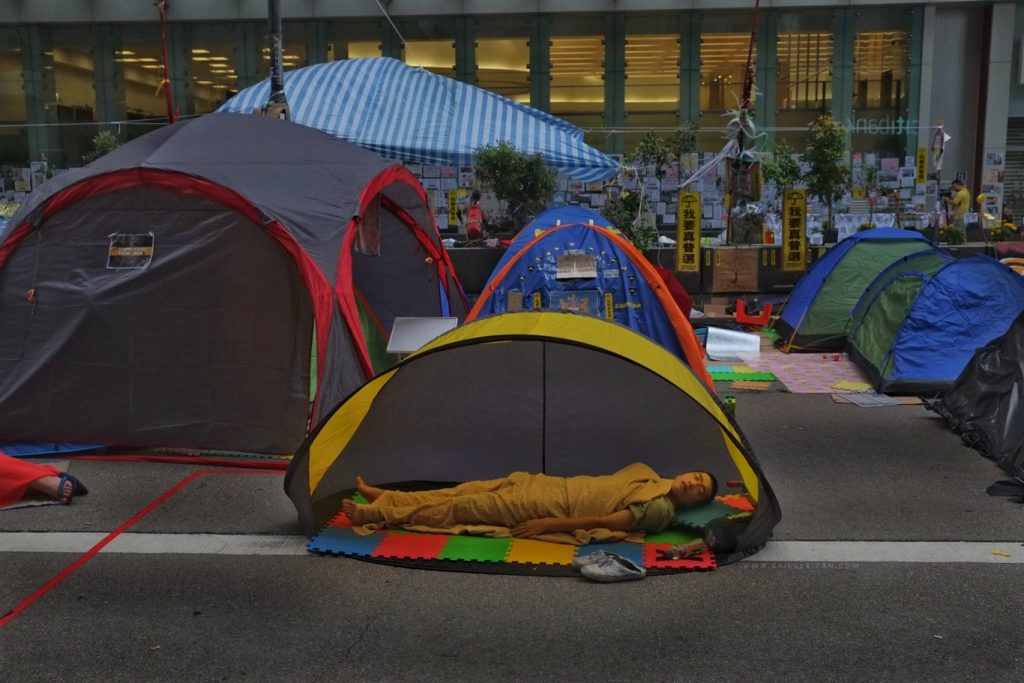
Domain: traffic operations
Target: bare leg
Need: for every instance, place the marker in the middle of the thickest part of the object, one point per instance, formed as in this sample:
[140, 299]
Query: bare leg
[370, 493]
[48, 485]
[359, 514]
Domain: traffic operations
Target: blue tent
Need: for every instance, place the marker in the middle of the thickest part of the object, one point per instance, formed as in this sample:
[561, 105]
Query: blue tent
[816, 314]
[412, 114]
[918, 327]
[589, 269]
[547, 219]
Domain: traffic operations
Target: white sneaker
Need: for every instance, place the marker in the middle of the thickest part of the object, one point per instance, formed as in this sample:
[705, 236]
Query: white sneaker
[613, 568]
[582, 560]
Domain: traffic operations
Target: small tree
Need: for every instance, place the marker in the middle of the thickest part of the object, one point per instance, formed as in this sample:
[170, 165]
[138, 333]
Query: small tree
[522, 183]
[869, 179]
[629, 211]
[102, 143]
[782, 168]
[827, 177]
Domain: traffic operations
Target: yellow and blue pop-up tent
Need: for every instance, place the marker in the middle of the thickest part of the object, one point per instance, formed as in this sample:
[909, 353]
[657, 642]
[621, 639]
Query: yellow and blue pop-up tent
[547, 392]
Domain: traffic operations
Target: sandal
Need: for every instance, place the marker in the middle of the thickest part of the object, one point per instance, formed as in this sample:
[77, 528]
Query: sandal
[64, 480]
[77, 487]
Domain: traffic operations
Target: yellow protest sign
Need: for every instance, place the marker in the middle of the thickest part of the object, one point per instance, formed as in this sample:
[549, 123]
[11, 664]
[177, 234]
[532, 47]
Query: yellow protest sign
[688, 232]
[921, 166]
[794, 239]
[453, 209]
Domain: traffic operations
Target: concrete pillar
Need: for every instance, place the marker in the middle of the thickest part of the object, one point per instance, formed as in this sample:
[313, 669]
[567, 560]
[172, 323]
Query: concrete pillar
[997, 107]
[179, 41]
[689, 66]
[615, 81]
[316, 41]
[766, 71]
[844, 31]
[911, 134]
[390, 43]
[923, 52]
[251, 39]
[108, 77]
[465, 49]
[40, 89]
[540, 62]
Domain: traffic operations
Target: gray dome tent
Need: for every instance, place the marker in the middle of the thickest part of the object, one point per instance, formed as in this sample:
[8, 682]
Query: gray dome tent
[172, 293]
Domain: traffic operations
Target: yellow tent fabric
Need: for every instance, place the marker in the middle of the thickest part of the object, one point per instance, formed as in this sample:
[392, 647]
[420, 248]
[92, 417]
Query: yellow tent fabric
[538, 392]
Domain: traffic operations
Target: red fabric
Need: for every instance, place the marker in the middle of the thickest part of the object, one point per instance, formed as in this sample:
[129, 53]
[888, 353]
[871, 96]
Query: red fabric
[676, 291]
[474, 222]
[16, 475]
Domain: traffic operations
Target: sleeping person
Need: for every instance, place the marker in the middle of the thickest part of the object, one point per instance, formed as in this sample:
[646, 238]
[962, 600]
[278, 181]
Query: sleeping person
[565, 509]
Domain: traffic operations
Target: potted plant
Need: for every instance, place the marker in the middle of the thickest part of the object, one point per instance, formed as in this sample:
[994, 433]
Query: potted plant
[102, 143]
[522, 183]
[952, 235]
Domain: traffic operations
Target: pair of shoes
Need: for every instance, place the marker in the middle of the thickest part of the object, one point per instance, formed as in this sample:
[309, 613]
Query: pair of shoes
[77, 487]
[581, 561]
[612, 568]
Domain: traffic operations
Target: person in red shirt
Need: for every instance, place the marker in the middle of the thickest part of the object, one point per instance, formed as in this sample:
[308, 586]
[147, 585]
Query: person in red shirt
[475, 218]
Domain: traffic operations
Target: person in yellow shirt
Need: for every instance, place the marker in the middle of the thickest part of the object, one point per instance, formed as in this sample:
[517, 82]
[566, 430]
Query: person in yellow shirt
[633, 499]
[959, 200]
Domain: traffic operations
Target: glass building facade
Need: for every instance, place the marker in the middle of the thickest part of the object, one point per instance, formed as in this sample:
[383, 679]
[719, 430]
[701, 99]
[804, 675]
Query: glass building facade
[615, 75]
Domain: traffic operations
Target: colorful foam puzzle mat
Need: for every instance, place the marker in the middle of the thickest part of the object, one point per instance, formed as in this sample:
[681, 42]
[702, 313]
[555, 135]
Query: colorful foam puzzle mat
[731, 373]
[517, 555]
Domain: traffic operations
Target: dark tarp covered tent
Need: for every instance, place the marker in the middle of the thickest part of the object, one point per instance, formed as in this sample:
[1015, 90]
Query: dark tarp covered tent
[550, 393]
[986, 403]
[817, 310]
[920, 326]
[172, 293]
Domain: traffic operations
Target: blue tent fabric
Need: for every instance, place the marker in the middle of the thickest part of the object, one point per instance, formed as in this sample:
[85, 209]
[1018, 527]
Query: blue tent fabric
[412, 114]
[547, 219]
[534, 271]
[32, 449]
[963, 307]
[960, 308]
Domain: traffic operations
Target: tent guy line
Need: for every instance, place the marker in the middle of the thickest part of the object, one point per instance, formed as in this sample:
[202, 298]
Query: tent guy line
[776, 552]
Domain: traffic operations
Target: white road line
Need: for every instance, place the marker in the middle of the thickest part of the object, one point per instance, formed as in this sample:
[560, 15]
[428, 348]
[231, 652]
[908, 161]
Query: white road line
[943, 552]
[998, 552]
[173, 544]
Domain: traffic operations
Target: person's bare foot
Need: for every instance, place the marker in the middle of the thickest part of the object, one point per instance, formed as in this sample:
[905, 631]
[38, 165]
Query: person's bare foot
[370, 493]
[52, 487]
[359, 514]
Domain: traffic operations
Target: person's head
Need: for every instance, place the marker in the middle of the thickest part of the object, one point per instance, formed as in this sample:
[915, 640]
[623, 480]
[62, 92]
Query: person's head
[693, 488]
[475, 196]
[958, 184]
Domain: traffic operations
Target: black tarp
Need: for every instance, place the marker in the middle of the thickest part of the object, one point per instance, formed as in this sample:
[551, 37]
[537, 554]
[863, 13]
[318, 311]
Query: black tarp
[984, 405]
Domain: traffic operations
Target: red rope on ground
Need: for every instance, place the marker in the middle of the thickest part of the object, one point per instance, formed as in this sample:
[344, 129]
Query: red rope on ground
[89, 554]
[188, 460]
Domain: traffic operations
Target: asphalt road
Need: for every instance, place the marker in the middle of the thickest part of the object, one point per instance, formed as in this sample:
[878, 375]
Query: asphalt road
[879, 480]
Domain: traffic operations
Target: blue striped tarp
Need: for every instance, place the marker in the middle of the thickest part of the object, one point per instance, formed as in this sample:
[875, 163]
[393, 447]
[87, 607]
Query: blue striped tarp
[411, 114]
